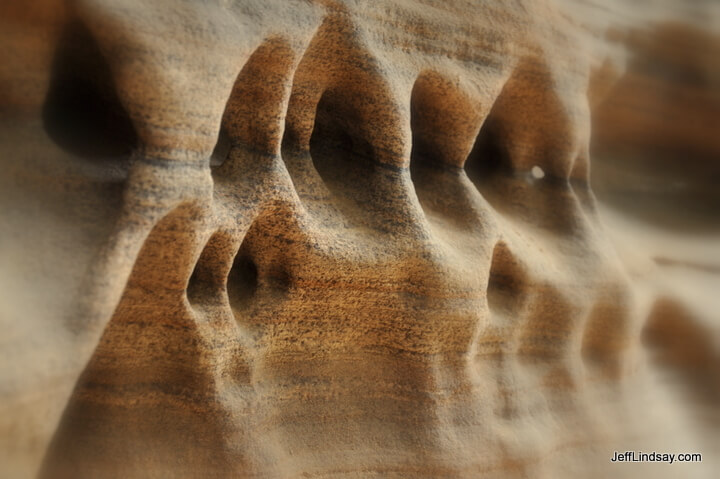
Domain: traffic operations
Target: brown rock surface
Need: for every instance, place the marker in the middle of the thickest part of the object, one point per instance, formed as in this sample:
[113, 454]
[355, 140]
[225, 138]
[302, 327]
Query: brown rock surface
[355, 239]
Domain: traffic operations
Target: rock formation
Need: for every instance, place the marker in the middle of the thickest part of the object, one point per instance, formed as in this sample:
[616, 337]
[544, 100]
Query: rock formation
[350, 239]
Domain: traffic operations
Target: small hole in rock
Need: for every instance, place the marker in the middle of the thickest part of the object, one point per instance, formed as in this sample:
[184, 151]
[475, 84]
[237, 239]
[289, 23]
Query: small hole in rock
[338, 150]
[221, 150]
[207, 284]
[82, 112]
[537, 172]
[200, 287]
[195, 286]
[488, 156]
[242, 281]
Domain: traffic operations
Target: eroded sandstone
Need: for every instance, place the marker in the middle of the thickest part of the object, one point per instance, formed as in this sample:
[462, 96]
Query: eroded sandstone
[307, 239]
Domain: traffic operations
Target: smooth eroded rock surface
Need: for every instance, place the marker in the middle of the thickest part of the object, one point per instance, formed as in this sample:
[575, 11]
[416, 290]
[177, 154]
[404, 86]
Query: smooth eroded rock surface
[357, 239]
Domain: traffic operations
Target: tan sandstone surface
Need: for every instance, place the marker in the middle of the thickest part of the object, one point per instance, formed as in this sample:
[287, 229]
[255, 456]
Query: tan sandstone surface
[358, 239]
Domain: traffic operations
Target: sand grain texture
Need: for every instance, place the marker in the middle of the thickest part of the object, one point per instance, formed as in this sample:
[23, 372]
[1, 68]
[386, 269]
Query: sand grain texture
[329, 239]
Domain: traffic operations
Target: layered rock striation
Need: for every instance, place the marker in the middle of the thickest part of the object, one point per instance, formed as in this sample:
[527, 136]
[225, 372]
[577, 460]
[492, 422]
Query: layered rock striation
[319, 239]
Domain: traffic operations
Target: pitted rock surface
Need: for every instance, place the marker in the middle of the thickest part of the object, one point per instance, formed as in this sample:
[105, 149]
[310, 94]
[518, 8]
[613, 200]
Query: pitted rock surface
[322, 239]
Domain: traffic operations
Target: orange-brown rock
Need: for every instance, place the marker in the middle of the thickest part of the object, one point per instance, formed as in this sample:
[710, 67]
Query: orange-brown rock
[348, 239]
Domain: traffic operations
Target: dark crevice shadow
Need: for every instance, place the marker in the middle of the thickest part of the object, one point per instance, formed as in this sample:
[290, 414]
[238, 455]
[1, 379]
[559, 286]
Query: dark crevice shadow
[222, 148]
[339, 152]
[534, 196]
[82, 113]
[489, 157]
[245, 276]
[257, 278]
[206, 285]
[242, 283]
[360, 184]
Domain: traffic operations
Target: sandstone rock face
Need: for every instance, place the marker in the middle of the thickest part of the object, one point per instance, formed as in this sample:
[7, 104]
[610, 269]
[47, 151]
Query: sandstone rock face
[335, 239]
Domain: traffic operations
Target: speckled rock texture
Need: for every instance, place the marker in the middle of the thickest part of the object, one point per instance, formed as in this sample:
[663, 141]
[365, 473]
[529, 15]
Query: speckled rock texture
[339, 239]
